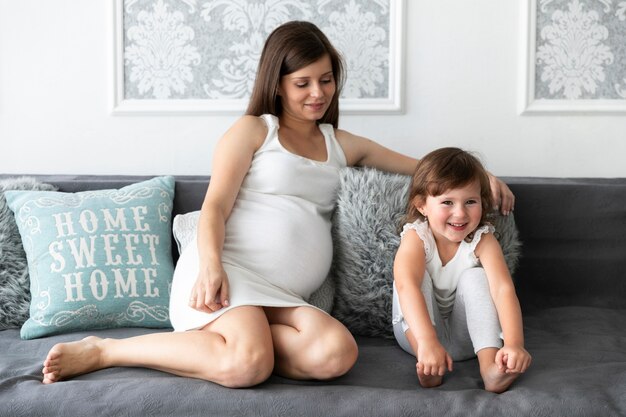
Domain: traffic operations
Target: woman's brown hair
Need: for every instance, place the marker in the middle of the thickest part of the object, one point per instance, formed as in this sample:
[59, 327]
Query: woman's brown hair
[290, 47]
[442, 170]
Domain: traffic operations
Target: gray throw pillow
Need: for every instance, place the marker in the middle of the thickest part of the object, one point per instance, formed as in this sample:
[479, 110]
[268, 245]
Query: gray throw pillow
[370, 207]
[14, 283]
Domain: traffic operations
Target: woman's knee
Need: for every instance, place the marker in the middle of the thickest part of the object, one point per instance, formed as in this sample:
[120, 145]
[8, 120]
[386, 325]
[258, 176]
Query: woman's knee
[247, 366]
[334, 356]
[246, 355]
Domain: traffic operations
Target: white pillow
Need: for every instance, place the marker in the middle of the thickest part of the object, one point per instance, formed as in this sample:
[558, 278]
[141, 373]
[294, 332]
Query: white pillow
[184, 229]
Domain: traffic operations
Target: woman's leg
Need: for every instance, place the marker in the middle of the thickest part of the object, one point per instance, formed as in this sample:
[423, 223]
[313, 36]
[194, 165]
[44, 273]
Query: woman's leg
[235, 350]
[310, 344]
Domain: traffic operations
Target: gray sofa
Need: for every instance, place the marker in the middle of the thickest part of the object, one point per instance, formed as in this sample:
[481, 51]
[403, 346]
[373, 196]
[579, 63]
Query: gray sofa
[570, 282]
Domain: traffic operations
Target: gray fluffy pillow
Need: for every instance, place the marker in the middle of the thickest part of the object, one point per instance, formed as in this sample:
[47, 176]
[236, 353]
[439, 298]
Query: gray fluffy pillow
[14, 283]
[370, 207]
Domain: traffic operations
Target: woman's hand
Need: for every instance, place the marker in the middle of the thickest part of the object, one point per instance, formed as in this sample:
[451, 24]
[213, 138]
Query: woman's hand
[503, 198]
[210, 292]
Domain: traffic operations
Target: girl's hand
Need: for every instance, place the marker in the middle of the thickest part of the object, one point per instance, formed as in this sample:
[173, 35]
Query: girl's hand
[432, 358]
[503, 198]
[513, 359]
[210, 292]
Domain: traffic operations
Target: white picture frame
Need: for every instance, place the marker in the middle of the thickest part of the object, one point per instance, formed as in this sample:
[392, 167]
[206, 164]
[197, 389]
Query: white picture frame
[529, 103]
[120, 104]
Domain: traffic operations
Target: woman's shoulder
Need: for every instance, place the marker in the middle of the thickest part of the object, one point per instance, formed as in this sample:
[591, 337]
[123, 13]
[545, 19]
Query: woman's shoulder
[344, 135]
[249, 128]
[250, 122]
[354, 146]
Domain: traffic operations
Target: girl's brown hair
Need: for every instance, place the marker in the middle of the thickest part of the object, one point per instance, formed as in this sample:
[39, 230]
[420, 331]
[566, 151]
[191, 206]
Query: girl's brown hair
[290, 47]
[443, 170]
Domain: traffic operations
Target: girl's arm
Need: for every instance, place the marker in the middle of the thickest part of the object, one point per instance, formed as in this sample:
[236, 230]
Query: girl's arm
[512, 356]
[231, 161]
[408, 269]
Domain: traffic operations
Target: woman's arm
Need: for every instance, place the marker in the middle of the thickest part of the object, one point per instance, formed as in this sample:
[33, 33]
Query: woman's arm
[408, 270]
[231, 161]
[503, 197]
[513, 356]
[361, 151]
[364, 152]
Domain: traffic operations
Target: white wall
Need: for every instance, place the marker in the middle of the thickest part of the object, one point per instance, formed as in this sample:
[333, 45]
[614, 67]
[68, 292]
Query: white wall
[462, 77]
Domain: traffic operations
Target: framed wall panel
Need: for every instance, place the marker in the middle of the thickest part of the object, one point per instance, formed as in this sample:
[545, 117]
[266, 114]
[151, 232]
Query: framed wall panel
[200, 56]
[574, 56]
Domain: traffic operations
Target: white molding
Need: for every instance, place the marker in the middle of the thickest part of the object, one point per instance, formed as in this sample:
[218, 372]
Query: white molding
[527, 54]
[181, 107]
[528, 104]
[116, 51]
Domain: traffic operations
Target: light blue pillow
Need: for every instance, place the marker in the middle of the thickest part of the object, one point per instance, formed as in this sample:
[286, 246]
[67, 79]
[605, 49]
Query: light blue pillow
[97, 259]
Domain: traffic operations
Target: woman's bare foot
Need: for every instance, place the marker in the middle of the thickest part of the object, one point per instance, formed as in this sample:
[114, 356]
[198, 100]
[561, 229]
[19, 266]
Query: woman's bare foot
[429, 381]
[497, 380]
[70, 359]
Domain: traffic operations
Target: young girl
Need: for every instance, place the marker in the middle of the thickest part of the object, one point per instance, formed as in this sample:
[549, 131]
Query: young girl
[453, 295]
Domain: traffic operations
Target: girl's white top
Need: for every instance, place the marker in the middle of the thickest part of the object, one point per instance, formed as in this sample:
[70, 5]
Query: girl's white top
[277, 247]
[446, 277]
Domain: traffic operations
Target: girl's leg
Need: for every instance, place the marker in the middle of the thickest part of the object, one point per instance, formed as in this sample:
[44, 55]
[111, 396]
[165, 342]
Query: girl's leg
[310, 344]
[235, 350]
[495, 380]
[405, 337]
[474, 323]
[475, 317]
[401, 328]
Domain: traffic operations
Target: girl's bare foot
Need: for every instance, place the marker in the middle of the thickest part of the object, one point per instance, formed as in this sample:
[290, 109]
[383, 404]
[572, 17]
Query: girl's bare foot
[497, 380]
[70, 359]
[429, 381]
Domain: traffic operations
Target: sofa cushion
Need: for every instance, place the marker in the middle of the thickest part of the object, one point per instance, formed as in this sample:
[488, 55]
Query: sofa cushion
[370, 207]
[14, 293]
[97, 259]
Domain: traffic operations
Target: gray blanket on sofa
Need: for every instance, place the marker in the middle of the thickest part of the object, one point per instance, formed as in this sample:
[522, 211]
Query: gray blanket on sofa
[571, 287]
[577, 371]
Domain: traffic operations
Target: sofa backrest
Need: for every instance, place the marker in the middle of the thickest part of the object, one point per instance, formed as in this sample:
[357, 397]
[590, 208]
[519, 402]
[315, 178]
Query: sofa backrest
[572, 231]
[189, 192]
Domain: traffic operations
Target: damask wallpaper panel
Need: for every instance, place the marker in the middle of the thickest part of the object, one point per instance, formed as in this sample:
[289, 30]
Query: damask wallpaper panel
[575, 55]
[201, 55]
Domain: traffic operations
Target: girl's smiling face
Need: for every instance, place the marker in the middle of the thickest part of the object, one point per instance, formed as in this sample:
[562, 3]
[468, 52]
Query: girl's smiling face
[455, 214]
[307, 92]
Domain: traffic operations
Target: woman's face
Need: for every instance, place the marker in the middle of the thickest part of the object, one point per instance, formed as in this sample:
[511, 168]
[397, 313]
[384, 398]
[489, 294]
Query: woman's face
[306, 93]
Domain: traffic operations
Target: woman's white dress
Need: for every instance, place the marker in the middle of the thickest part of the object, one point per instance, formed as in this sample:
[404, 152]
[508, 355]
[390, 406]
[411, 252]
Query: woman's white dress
[277, 246]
